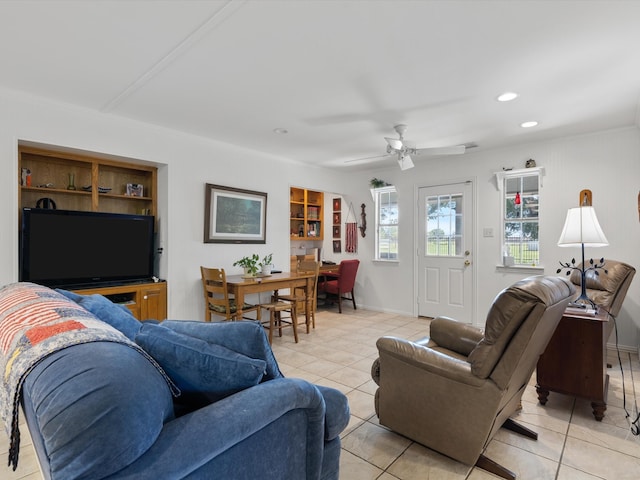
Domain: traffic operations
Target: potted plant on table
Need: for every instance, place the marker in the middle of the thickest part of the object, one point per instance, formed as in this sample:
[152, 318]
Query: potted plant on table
[250, 264]
[266, 264]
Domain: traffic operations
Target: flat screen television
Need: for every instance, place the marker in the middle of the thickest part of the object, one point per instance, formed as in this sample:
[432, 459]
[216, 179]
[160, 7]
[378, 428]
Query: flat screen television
[67, 248]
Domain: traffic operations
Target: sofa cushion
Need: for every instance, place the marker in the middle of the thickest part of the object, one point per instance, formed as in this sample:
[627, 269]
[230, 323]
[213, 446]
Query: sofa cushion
[98, 406]
[244, 336]
[202, 371]
[118, 316]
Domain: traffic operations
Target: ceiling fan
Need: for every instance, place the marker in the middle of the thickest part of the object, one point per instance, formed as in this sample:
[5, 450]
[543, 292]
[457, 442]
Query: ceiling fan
[404, 149]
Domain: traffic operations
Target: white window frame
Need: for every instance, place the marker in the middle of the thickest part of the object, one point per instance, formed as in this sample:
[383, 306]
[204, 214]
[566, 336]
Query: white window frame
[385, 223]
[501, 179]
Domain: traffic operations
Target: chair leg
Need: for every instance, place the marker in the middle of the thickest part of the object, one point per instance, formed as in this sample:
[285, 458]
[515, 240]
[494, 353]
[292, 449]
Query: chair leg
[294, 322]
[492, 467]
[353, 299]
[339, 302]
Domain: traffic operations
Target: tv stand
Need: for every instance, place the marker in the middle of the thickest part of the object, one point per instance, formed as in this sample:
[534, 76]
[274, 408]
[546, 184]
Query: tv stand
[145, 300]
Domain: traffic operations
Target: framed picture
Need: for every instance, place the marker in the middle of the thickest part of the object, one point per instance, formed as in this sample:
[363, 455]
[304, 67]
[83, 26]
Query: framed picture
[233, 215]
[337, 202]
[337, 216]
[336, 231]
[337, 246]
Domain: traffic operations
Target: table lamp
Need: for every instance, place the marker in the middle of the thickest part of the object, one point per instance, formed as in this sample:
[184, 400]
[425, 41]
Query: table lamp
[581, 228]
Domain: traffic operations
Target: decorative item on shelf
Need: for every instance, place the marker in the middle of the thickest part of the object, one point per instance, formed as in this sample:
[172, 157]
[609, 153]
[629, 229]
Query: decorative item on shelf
[135, 190]
[25, 177]
[250, 265]
[72, 182]
[531, 163]
[266, 264]
[363, 222]
[581, 228]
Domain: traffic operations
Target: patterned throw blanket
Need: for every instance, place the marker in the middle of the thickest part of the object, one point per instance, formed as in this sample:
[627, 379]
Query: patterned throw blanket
[36, 321]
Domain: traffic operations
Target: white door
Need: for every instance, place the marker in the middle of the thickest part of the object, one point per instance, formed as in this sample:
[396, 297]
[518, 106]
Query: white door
[445, 259]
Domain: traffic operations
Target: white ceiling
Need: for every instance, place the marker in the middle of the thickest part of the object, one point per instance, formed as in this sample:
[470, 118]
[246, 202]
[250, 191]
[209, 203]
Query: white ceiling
[338, 75]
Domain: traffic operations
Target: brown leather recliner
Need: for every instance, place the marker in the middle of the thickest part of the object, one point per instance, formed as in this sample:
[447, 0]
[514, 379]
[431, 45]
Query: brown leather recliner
[607, 290]
[453, 390]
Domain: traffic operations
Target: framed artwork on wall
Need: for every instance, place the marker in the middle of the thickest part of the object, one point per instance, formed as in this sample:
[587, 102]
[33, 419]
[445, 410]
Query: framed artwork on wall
[233, 215]
[337, 203]
[336, 231]
[337, 216]
[337, 246]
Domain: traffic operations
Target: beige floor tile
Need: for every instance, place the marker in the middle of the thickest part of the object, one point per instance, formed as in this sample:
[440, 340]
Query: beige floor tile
[350, 377]
[568, 473]
[526, 465]
[600, 461]
[376, 445]
[355, 468]
[418, 463]
[361, 404]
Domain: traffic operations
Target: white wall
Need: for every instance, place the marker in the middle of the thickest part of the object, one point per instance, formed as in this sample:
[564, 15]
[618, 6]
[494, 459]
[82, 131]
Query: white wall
[608, 163]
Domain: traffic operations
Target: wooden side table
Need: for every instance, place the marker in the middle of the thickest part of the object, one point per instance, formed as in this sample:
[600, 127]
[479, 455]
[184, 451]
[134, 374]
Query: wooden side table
[575, 361]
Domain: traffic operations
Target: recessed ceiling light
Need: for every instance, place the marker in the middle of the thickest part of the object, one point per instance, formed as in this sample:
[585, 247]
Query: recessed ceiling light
[529, 124]
[280, 131]
[507, 97]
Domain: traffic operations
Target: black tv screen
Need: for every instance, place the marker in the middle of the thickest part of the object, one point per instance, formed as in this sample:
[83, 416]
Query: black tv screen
[67, 248]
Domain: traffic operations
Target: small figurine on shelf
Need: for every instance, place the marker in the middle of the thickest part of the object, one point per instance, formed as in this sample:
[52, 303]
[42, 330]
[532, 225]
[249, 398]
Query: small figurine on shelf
[72, 182]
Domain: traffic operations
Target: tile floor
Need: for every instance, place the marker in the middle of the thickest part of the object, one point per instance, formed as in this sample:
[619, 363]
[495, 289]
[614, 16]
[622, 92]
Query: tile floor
[339, 353]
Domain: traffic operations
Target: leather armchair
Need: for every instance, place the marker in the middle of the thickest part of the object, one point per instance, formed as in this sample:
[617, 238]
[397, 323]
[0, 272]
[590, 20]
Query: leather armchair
[453, 390]
[607, 290]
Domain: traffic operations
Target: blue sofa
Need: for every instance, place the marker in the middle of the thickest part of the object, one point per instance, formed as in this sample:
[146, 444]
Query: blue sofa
[105, 409]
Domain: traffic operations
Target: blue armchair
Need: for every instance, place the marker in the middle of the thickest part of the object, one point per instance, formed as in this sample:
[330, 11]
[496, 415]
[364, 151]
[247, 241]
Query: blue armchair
[103, 410]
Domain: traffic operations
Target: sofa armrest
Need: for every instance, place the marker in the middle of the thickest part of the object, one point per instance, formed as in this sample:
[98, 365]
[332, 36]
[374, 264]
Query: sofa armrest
[337, 411]
[194, 440]
[455, 336]
[427, 359]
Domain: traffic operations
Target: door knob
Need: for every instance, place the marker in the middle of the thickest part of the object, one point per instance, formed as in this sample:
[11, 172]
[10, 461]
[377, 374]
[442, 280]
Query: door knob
[467, 263]
[467, 253]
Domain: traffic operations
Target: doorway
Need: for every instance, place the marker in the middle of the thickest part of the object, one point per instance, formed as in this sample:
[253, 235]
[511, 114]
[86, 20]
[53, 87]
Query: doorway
[445, 255]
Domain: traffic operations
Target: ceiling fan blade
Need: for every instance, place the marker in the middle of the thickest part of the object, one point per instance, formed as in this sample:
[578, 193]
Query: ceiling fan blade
[375, 157]
[405, 162]
[394, 143]
[455, 150]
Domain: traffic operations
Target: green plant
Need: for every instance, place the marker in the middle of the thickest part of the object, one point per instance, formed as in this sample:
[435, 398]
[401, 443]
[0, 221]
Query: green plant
[267, 260]
[377, 183]
[250, 264]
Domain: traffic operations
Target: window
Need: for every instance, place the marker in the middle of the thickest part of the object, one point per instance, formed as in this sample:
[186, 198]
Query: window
[386, 200]
[444, 225]
[520, 216]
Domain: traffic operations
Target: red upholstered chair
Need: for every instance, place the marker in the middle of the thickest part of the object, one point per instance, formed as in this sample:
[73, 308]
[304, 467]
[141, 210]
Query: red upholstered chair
[342, 282]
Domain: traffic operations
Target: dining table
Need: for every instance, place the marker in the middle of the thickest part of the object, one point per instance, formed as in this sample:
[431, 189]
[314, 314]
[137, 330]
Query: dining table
[240, 286]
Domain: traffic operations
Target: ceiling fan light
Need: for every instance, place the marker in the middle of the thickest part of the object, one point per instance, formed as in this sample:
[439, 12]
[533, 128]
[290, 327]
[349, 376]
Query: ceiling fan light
[405, 162]
[394, 143]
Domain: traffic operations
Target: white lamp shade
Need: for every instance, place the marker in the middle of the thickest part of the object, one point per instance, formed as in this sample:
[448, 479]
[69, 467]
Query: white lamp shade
[581, 227]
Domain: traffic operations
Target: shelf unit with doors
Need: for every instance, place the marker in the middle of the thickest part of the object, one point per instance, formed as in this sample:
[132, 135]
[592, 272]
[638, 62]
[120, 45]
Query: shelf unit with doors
[306, 217]
[76, 181]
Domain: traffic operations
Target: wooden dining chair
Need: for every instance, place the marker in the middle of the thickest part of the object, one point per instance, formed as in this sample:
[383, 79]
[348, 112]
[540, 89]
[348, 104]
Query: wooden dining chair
[298, 295]
[277, 321]
[217, 298]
